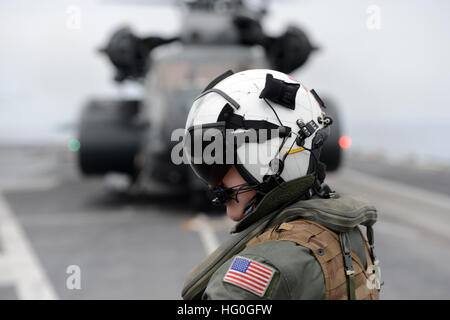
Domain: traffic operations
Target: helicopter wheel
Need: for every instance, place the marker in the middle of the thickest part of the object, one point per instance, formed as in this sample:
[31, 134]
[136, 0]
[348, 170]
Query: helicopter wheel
[331, 153]
[109, 139]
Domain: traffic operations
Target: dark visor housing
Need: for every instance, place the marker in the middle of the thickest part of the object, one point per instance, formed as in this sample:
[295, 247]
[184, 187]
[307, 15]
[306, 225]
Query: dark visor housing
[211, 172]
[209, 152]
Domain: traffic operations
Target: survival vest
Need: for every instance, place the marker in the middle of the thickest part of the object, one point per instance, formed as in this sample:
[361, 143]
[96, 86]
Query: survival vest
[341, 283]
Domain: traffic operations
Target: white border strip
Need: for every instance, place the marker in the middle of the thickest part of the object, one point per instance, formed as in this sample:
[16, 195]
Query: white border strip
[399, 189]
[436, 220]
[18, 263]
[202, 225]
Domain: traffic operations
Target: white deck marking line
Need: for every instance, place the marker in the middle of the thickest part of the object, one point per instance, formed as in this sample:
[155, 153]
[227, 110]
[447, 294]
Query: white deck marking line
[400, 189]
[398, 230]
[414, 218]
[202, 225]
[438, 224]
[18, 261]
[38, 184]
[5, 280]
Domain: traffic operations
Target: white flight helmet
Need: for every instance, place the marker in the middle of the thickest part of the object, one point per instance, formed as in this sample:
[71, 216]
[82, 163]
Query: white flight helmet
[286, 118]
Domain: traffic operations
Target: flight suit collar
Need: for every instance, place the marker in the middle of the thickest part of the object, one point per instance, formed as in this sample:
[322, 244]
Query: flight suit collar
[281, 196]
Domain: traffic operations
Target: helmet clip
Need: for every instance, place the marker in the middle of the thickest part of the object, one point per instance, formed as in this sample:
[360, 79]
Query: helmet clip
[306, 130]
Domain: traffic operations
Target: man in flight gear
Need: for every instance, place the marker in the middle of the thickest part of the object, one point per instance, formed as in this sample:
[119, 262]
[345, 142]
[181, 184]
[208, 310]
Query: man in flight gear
[255, 138]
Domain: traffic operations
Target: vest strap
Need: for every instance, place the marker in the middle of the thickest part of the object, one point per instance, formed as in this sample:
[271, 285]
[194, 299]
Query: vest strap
[348, 265]
[370, 239]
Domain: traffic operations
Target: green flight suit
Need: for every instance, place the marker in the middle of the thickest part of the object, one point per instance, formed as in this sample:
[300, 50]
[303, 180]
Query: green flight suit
[297, 273]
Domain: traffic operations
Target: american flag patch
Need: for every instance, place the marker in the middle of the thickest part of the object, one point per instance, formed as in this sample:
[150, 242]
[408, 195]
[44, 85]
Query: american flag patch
[250, 275]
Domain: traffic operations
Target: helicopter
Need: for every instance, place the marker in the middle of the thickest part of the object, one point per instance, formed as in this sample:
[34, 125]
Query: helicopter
[133, 136]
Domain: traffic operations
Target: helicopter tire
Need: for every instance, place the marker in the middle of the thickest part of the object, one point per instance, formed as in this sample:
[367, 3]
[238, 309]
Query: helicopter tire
[331, 153]
[109, 139]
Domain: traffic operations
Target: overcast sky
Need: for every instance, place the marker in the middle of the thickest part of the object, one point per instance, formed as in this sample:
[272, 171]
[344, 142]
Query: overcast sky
[385, 63]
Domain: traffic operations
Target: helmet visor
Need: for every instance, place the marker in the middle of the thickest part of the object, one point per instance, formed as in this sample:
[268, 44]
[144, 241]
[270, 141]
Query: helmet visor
[209, 153]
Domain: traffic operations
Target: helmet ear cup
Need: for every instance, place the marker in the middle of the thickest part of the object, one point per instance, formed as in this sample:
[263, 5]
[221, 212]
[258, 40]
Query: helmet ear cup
[315, 165]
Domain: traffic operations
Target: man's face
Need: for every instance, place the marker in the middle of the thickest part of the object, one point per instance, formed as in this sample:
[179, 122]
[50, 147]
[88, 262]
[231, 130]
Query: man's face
[235, 209]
